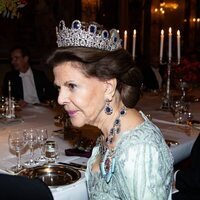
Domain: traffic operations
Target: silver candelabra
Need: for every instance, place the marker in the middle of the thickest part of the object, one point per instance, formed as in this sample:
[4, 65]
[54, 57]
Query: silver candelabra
[166, 99]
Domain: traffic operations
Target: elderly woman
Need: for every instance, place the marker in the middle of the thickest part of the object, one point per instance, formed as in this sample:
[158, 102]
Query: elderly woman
[99, 85]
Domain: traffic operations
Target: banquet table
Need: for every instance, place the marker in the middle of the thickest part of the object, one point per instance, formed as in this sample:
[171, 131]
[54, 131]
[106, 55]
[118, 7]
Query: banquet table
[43, 117]
[184, 135]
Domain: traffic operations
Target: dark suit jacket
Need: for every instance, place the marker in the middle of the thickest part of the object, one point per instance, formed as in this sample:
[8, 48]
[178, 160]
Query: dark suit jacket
[45, 89]
[22, 188]
[188, 180]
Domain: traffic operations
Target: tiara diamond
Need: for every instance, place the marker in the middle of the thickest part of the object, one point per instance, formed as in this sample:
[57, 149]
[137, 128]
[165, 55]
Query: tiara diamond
[92, 35]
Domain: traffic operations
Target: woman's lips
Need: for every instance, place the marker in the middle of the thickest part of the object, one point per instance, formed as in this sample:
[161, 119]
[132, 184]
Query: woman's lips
[71, 113]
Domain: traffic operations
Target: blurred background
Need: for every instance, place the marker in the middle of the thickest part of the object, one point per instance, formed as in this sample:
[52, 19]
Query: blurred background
[33, 22]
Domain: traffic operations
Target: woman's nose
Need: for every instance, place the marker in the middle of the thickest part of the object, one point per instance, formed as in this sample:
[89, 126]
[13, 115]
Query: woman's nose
[63, 97]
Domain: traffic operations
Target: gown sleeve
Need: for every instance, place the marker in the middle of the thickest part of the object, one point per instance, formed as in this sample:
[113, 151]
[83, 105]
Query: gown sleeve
[146, 172]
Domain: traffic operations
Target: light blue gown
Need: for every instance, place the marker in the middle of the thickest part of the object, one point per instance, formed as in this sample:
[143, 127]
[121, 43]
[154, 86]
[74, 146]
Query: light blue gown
[143, 170]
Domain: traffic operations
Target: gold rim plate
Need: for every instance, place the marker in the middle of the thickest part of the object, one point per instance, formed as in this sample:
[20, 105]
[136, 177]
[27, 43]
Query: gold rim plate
[53, 175]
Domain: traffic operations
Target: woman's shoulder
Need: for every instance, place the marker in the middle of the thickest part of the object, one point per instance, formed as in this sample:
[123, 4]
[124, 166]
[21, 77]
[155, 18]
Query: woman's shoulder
[145, 138]
[145, 132]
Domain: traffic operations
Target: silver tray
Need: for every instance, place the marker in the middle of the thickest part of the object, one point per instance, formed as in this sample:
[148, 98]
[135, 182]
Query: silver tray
[53, 175]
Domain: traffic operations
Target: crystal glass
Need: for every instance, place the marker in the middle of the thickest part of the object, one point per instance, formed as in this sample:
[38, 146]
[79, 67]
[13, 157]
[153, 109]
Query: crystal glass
[42, 138]
[17, 142]
[181, 112]
[184, 86]
[51, 151]
[31, 138]
[2, 106]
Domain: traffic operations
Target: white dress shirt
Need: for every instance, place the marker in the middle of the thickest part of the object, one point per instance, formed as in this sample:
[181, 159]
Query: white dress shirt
[29, 89]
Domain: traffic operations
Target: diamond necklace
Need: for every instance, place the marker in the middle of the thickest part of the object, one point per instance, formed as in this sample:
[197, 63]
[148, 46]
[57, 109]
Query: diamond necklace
[107, 163]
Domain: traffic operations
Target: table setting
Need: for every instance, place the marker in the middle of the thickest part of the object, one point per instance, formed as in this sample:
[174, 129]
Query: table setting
[39, 142]
[30, 147]
[179, 123]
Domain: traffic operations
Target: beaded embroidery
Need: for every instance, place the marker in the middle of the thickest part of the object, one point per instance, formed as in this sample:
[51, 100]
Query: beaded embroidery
[107, 164]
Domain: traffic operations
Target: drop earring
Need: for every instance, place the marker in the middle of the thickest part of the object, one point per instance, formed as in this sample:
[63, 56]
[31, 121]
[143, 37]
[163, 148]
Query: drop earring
[108, 109]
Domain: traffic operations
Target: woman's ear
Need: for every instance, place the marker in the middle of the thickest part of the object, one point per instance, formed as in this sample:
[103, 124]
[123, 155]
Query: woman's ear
[110, 88]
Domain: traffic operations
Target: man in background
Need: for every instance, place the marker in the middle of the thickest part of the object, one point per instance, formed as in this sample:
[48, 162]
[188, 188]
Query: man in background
[28, 85]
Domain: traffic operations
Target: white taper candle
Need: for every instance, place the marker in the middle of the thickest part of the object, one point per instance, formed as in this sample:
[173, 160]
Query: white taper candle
[178, 46]
[161, 44]
[125, 39]
[134, 44]
[170, 45]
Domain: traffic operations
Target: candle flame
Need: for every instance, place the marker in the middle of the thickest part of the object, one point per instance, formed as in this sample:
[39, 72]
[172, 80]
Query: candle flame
[125, 33]
[170, 30]
[162, 32]
[134, 32]
[178, 33]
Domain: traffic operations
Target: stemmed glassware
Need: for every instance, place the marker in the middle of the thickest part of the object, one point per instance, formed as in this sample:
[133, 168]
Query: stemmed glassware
[2, 106]
[181, 112]
[184, 86]
[181, 108]
[32, 138]
[42, 138]
[17, 142]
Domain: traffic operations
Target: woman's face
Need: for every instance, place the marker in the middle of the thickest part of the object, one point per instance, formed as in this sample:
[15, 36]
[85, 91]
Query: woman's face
[82, 97]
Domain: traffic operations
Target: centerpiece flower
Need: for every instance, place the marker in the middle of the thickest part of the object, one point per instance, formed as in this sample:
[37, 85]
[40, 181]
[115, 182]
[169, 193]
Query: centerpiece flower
[188, 71]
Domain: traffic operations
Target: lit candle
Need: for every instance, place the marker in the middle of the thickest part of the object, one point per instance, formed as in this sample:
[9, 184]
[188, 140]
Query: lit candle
[9, 88]
[161, 44]
[125, 39]
[178, 46]
[170, 45]
[9, 100]
[134, 43]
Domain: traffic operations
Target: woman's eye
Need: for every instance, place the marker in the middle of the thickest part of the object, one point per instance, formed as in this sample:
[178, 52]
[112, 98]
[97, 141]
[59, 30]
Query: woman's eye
[71, 86]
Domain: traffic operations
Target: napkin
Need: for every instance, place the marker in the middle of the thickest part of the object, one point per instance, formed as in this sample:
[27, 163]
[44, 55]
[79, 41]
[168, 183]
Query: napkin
[77, 152]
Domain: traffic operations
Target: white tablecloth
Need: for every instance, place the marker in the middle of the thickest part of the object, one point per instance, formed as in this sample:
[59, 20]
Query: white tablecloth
[150, 104]
[41, 117]
[37, 117]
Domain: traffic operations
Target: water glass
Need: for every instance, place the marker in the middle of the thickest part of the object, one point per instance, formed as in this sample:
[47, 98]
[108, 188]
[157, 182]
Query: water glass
[31, 139]
[181, 112]
[42, 138]
[17, 142]
[51, 151]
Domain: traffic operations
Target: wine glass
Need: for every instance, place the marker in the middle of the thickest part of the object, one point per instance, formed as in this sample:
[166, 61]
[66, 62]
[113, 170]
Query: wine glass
[181, 112]
[184, 86]
[42, 138]
[2, 106]
[32, 139]
[16, 143]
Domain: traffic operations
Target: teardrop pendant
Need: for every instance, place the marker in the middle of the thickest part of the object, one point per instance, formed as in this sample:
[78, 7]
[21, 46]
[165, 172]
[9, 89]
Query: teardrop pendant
[108, 161]
[107, 168]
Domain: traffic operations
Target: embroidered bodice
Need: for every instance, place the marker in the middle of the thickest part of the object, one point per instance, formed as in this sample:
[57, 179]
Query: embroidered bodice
[143, 170]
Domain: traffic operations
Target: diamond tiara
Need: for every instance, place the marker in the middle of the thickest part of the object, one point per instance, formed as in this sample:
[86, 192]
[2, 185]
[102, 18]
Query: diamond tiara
[83, 34]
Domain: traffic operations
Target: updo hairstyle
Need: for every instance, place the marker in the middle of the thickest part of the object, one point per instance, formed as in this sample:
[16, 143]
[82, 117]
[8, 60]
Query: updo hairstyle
[104, 65]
